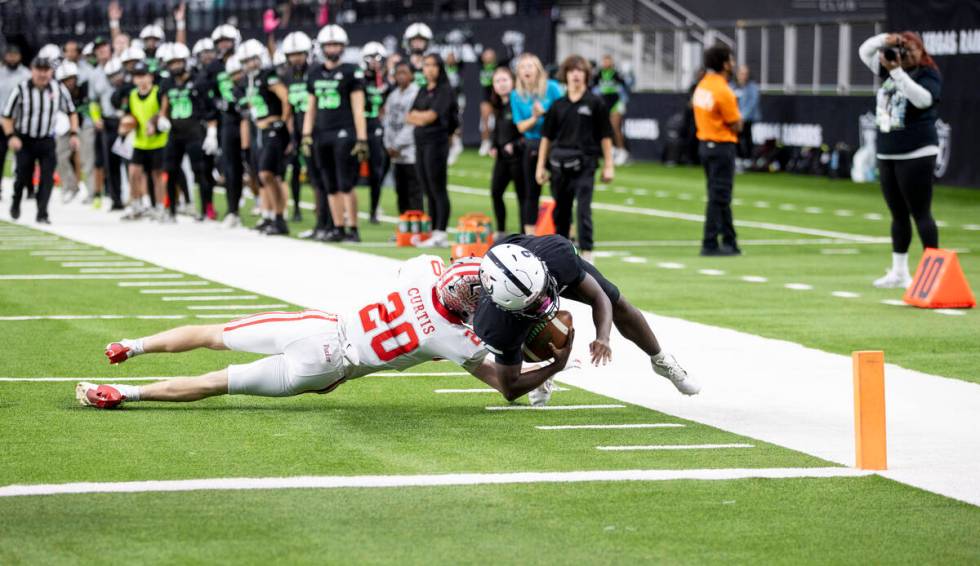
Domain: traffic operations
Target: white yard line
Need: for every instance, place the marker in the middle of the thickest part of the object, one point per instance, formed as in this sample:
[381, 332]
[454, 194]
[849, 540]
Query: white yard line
[91, 317]
[81, 253]
[554, 407]
[481, 390]
[699, 218]
[672, 447]
[610, 426]
[72, 257]
[253, 308]
[185, 291]
[761, 388]
[428, 480]
[212, 298]
[103, 264]
[45, 276]
[161, 283]
[120, 270]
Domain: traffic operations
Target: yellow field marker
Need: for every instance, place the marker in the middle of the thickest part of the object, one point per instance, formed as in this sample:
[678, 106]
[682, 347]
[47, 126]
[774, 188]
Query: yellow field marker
[869, 410]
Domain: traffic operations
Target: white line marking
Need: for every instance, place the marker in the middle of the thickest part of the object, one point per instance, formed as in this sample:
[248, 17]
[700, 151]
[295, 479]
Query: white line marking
[670, 265]
[673, 447]
[609, 426]
[840, 251]
[213, 298]
[103, 264]
[761, 204]
[712, 272]
[90, 317]
[482, 390]
[759, 242]
[845, 294]
[30, 239]
[737, 202]
[661, 194]
[105, 379]
[120, 270]
[872, 216]
[798, 286]
[971, 227]
[553, 407]
[224, 315]
[754, 279]
[634, 259]
[787, 206]
[844, 213]
[161, 283]
[685, 196]
[42, 276]
[68, 252]
[235, 307]
[813, 210]
[185, 291]
[699, 218]
[609, 253]
[72, 257]
[894, 303]
[428, 480]
[942, 224]
[952, 312]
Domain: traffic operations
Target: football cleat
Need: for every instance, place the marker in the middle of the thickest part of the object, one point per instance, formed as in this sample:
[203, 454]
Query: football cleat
[668, 367]
[893, 280]
[117, 353]
[98, 396]
[540, 396]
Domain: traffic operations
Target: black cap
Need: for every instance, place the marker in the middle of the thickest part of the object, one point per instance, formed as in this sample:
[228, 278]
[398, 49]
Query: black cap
[140, 68]
[100, 40]
[42, 63]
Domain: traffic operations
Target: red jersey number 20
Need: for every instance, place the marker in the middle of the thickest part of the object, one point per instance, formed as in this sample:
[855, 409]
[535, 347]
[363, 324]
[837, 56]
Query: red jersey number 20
[377, 315]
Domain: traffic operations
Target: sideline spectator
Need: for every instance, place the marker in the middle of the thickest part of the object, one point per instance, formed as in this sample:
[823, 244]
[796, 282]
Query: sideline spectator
[12, 73]
[507, 149]
[399, 138]
[747, 93]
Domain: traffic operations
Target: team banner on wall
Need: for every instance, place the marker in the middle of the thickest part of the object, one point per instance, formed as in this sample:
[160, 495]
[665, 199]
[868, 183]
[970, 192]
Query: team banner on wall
[951, 32]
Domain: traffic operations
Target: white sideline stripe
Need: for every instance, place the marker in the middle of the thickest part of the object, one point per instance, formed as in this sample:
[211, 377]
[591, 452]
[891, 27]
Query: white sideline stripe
[213, 298]
[120, 270]
[672, 447]
[160, 283]
[68, 252]
[72, 257]
[103, 264]
[40, 276]
[235, 307]
[428, 480]
[699, 218]
[186, 291]
[92, 317]
[483, 390]
[553, 407]
[609, 426]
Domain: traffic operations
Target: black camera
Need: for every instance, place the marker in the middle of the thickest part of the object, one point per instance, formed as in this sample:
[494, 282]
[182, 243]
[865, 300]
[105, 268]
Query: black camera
[895, 53]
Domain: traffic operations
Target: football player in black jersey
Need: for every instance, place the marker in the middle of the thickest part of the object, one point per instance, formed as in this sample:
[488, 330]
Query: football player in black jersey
[376, 88]
[270, 112]
[416, 41]
[188, 113]
[523, 278]
[336, 129]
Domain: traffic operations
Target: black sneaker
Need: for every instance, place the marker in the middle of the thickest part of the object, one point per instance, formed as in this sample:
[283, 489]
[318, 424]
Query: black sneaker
[374, 218]
[262, 225]
[43, 220]
[731, 249]
[15, 209]
[297, 216]
[353, 236]
[719, 252]
[335, 235]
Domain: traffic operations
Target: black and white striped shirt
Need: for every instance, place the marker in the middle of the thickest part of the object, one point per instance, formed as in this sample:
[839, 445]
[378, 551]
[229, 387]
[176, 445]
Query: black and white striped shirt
[33, 109]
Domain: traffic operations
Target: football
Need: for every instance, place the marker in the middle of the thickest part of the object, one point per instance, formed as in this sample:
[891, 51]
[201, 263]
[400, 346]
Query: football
[554, 330]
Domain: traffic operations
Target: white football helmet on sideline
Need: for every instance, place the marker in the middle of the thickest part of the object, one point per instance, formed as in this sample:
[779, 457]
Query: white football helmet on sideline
[202, 45]
[459, 287]
[133, 53]
[253, 49]
[66, 70]
[152, 31]
[226, 31]
[418, 29]
[296, 42]
[373, 50]
[51, 52]
[518, 282]
[332, 33]
[233, 66]
[113, 66]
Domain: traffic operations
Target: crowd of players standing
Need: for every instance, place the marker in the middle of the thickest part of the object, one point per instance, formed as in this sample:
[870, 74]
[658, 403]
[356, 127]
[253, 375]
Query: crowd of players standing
[243, 112]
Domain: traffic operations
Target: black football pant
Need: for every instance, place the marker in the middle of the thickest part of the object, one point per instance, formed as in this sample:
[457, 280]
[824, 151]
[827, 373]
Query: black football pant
[377, 163]
[907, 187]
[231, 153]
[40, 151]
[174, 155]
[718, 160]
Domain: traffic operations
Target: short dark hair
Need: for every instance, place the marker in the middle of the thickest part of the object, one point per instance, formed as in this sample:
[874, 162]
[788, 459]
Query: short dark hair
[716, 56]
[574, 62]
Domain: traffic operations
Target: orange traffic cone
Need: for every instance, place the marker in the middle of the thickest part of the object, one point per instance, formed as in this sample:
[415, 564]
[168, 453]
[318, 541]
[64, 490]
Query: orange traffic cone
[546, 220]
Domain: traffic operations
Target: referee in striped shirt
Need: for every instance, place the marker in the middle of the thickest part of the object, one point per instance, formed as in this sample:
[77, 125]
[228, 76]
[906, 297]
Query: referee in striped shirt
[28, 121]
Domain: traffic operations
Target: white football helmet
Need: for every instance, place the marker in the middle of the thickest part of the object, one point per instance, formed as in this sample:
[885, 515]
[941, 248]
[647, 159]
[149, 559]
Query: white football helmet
[66, 70]
[226, 31]
[177, 51]
[233, 65]
[152, 32]
[163, 52]
[373, 50]
[418, 29]
[51, 52]
[112, 66]
[133, 53]
[518, 281]
[459, 287]
[278, 58]
[88, 50]
[251, 49]
[296, 42]
[202, 45]
[332, 33]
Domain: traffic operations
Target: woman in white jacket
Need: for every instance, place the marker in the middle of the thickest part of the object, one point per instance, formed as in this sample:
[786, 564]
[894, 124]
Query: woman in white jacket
[907, 145]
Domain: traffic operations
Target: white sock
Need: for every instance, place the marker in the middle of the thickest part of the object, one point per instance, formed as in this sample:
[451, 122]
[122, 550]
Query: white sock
[135, 345]
[130, 392]
[900, 263]
[659, 356]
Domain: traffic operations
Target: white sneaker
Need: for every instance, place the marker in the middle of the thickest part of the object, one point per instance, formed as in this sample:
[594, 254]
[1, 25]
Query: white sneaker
[132, 213]
[893, 280]
[540, 396]
[455, 150]
[437, 240]
[485, 146]
[620, 156]
[231, 221]
[167, 218]
[668, 367]
[68, 195]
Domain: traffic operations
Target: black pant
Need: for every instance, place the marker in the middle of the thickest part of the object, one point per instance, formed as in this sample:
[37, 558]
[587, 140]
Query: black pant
[42, 152]
[3, 151]
[506, 170]
[567, 185]
[407, 187]
[377, 162]
[191, 146]
[718, 160]
[907, 187]
[745, 145]
[532, 190]
[113, 163]
[231, 153]
[432, 169]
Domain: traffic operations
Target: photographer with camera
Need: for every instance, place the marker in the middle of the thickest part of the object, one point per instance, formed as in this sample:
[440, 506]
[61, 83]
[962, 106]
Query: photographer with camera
[906, 114]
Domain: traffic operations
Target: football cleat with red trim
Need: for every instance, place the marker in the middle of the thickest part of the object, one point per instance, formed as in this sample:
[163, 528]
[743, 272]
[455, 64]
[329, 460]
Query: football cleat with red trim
[98, 396]
[117, 353]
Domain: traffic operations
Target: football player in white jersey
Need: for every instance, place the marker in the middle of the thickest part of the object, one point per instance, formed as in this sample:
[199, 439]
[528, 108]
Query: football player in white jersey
[420, 320]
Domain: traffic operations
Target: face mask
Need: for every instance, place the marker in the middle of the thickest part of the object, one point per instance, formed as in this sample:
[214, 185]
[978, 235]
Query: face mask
[333, 58]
